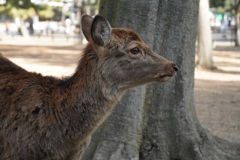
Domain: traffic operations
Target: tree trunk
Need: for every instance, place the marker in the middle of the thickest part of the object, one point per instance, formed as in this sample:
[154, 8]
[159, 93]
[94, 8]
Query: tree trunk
[237, 25]
[158, 121]
[237, 35]
[236, 30]
[204, 37]
[23, 30]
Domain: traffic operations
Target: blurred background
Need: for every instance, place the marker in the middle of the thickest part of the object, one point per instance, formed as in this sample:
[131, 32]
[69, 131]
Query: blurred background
[224, 18]
[44, 19]
[45, 36]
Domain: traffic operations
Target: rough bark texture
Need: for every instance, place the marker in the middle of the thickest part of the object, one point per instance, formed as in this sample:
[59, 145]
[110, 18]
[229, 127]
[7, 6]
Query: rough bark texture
[204, 37]
[158, 121]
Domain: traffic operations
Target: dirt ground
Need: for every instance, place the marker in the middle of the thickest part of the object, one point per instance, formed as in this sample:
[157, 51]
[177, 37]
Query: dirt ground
[217, 93]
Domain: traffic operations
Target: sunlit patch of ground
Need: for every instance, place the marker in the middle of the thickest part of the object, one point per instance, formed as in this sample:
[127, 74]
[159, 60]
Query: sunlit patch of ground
[217, 94]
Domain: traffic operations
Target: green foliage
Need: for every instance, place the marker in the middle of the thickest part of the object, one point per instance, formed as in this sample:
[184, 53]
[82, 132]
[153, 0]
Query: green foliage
[216, 3]
[46, 12]
[219, 10]
[231, 6]
[24, 9]
[224, 6]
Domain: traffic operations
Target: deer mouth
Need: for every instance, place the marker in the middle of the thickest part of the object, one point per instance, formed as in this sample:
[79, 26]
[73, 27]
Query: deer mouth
[163, 77]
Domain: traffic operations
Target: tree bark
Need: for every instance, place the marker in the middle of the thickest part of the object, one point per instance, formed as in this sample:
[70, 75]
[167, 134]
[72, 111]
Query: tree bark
[237, 25]
[158, 121]
[204, 37]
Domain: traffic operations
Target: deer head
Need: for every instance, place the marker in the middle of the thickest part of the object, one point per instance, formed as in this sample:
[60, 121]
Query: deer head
[124, 60]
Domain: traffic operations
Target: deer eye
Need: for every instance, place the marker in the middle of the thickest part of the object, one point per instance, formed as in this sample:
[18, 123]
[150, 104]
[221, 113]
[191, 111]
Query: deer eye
[135, 50]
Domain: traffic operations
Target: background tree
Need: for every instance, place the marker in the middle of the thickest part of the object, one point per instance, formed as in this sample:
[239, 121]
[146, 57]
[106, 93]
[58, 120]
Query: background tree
[237, 22]
[204, 37]
[159, 121]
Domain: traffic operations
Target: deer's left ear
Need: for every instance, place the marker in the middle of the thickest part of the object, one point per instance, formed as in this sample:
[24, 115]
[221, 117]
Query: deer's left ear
[101, 30]
[86, 22]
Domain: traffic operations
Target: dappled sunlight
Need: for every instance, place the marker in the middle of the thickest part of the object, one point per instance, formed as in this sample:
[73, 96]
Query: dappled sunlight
[48, 60]
[217, 75]
[227, 63]
[44, 68]
[217, 94]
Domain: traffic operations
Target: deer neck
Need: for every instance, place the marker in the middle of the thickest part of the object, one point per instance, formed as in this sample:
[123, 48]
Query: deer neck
[89, 82]
[91, 98]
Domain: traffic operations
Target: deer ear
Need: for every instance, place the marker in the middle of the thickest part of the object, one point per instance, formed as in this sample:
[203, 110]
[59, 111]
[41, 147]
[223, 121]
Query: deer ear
[101, 30]
[86, 22]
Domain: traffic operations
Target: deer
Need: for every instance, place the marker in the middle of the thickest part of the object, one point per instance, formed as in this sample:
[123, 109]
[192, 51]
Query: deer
[49, 118]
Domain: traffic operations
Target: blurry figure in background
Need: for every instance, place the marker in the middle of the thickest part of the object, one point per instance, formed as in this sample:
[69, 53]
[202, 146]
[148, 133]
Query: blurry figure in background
[31, 30]
[26, 24]
[229, 21]
[224, 26]
[18, 24]
[7, 27]
[67, 25]
[72, 14]
[77, 29]
[78, 33]
[49, 27]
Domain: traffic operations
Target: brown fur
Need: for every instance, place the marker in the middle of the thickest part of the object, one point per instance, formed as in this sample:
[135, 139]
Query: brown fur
[52, 119]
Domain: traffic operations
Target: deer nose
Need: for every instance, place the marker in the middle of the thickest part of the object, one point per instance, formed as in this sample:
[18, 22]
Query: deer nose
[175, 67]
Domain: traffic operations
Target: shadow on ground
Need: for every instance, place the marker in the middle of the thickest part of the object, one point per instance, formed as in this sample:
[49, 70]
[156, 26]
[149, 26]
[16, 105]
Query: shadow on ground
[217, 94]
